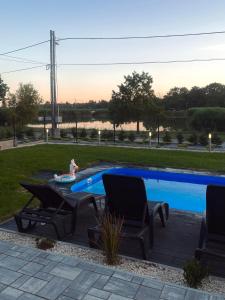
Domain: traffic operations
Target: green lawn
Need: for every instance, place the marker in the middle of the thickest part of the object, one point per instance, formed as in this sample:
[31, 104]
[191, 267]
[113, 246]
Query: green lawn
[19, 164]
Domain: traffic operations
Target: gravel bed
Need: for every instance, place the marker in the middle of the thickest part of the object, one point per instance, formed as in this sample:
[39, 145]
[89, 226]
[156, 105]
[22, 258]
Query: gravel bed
[139, 267]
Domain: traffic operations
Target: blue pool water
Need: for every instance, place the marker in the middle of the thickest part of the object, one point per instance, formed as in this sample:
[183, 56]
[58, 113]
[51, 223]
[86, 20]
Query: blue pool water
[183, 191]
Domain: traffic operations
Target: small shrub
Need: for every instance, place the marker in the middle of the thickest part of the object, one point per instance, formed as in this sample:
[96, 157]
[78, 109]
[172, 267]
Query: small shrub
[121, 135]
[110, 135]
[20, 134]
[104, 134]
[62, 133]
[107, 134]
[167, 137]
[45, 243]
[193, 139]
[144, 138]
[94, 133]
[131, 137]
[2, 133]
[194, 273]
[216, 139]
[30, 132]
[83, 133]
[110, 235]
[203, 140]
[8, 132]
[180, 138]
[74, 132]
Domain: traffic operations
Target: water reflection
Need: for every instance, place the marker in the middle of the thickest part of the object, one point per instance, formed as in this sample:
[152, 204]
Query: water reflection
[93, 124]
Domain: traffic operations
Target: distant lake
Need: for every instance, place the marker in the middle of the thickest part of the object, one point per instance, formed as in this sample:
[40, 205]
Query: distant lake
[95, 124]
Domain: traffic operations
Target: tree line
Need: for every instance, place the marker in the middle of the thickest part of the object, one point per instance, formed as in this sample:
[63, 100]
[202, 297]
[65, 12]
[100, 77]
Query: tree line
[134, 100]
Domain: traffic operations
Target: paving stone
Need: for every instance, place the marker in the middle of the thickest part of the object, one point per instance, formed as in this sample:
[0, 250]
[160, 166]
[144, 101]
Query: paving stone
[43, 254]
[41, 260]
[54, 257]
[123, 275]
[3, 256]
[86, 266]
[65, 278]
[33, 285]
[84, 281]
[50, 266]
[104, 271]
[217, 297]
[89, 297]
[44, 276]
[137, 279]
[152, 283]
[121, 287]
[28, 255]
[71, 261]
[74, 294]
[13, 253]
[196, 295]
[101, 281]
[7, 276]
[54, 288]
[12, 293]
[148, 293]
[31, 268]
[99, 293]
[18, 248]
[64, 298]
[65, 271]
[27, 296]
[12, 263]
[21, 280]
[173, 292]
[118, 297]
[2, 286]
[4, 247]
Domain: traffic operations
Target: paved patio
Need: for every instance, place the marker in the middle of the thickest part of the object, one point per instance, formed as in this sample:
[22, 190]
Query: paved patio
[32, 274]
[174, 245]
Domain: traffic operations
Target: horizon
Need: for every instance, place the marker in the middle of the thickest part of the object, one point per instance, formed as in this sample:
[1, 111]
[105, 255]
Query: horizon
[98, 18]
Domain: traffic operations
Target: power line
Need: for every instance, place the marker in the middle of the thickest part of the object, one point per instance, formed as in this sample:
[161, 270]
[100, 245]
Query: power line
[26, 47]
[143, 37]
[124, 63]
[23, 59]
[144, 62]
[24, 69]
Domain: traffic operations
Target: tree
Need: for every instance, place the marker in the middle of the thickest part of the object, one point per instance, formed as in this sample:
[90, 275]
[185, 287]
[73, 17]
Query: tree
[3, 90]
[207, 118]
[134, 97]
[24, 104]
[176, 98]
[215, 94]
[211, 95]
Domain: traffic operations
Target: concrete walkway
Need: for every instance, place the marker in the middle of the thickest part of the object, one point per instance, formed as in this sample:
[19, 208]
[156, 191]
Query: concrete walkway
[32, 274]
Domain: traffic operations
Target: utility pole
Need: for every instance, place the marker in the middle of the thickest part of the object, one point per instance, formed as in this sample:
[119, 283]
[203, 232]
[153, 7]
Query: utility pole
[53, 81]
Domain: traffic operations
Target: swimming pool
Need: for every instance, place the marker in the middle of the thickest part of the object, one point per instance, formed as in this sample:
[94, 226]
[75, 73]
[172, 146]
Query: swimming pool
[183, 191]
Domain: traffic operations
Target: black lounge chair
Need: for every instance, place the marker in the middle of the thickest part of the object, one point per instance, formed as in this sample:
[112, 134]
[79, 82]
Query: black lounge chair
[54, 209]
[126, 197]
[212, 232]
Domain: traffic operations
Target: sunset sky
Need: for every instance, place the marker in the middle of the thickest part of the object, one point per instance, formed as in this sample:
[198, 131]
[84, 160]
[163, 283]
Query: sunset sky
[26, 22]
